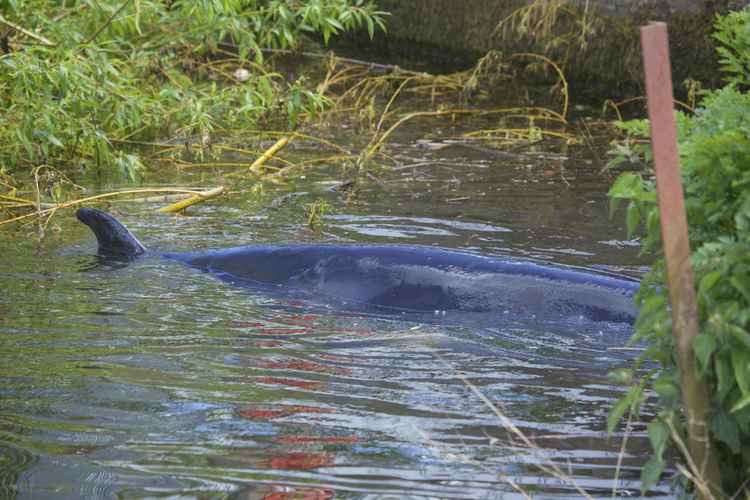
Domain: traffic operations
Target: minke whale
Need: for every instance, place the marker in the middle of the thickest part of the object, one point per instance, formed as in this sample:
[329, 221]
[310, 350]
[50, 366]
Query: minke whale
[401, 278]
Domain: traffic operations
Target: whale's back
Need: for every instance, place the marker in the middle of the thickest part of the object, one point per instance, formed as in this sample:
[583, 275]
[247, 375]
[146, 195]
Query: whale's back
[422, 279]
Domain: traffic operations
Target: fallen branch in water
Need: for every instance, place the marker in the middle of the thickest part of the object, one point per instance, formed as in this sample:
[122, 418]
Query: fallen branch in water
[198, 198]
[377, 142]
[257, 166]
[95, 198]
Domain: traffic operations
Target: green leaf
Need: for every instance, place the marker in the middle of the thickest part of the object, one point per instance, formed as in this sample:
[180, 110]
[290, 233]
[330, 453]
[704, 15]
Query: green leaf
[617, 412]
[622, 376]
[627, 185]
[742, 285]
[658, 434]
[704, 346]
[742, 403]
[54, 141]
[724, 377]
[334, 22]
[725, 429]
[651, 472]
[708, 282]
[633, 218]
[741, 367]
[739, 334]
[666, 388]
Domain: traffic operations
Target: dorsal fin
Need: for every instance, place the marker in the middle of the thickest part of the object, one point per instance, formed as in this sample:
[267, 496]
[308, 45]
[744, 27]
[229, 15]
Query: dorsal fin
[112, 236]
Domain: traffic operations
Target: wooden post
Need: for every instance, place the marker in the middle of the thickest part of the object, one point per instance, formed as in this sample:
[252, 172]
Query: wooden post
[656, 65]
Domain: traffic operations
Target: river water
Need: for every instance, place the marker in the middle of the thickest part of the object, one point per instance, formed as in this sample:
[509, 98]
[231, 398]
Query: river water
[150, 379]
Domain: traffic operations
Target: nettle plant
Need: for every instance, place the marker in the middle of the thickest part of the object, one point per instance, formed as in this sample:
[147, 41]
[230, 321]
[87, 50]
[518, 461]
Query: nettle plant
[81, 78]
[714, 146]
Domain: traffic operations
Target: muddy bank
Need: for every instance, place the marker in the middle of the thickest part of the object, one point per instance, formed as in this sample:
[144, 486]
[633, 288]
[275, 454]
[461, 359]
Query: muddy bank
[596, 41]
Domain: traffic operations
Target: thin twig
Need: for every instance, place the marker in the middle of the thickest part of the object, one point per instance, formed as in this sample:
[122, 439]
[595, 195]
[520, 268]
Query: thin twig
[107, 22]
[96, 198]
[694, 473]
[30, 34]
[628, 428]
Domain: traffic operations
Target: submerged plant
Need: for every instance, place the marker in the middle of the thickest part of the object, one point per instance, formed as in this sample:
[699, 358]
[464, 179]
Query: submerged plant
[316, 212]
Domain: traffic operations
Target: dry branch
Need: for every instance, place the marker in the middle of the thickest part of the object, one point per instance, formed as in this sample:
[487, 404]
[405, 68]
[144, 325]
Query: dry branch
[30, 34]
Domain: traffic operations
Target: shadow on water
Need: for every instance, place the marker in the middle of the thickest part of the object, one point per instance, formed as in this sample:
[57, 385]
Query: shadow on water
[151, 379]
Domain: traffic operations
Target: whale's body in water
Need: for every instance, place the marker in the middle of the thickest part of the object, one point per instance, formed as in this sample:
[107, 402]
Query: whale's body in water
[398, 277]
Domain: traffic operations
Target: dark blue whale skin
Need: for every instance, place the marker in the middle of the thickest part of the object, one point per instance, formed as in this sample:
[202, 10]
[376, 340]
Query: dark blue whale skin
[398, 277]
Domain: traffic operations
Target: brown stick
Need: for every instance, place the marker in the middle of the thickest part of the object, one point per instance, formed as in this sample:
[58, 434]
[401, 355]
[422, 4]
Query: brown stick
[677, 248]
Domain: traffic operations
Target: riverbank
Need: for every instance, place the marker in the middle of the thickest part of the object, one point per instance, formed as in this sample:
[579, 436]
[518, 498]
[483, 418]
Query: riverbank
[594, 41]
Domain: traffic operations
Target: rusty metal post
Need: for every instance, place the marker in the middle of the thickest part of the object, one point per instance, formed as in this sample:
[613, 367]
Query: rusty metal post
[674, 233]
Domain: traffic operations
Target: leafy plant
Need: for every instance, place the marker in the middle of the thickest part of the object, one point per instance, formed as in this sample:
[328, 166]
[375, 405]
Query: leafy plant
[733, 33]
[714, 146]
[84, 79]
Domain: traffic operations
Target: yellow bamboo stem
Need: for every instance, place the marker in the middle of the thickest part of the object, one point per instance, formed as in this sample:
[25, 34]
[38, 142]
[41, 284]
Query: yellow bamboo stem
[257, 166]
[198, 198]
[96, 198]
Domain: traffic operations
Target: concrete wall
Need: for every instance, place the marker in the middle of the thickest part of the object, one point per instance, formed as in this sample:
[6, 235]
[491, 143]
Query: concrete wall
[457, 32]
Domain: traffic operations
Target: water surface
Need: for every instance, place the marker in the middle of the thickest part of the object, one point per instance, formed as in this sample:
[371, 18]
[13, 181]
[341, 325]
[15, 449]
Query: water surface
[150, 379]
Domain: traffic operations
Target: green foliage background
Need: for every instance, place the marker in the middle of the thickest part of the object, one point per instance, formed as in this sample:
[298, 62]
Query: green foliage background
[100, 73]
[714, 146]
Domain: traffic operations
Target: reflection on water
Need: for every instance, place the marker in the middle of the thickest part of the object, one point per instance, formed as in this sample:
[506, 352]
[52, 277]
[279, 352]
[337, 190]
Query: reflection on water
[151, 379]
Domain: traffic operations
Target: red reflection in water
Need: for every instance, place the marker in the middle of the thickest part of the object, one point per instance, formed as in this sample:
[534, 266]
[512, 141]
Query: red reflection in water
[301, 460]
[294, 327]
[300, 494]
[317, 439]
[306, 366]
[283, 331]
[261, 414]
[291, 382]
[303, 319]
[265, 344]
[280, 411]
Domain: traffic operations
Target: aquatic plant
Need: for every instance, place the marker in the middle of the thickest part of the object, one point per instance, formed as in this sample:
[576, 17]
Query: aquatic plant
[316, 212]
[714, 146]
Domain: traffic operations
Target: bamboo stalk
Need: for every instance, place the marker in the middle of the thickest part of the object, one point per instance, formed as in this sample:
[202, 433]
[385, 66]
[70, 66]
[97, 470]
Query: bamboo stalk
[198, 198]
[674, 231]
[257, 166]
